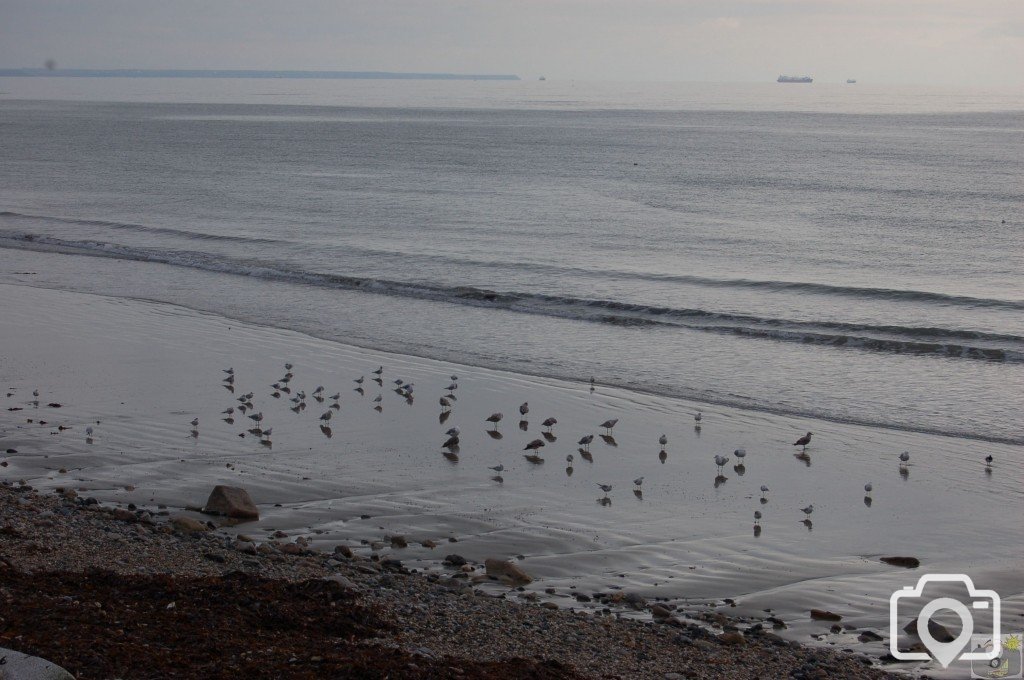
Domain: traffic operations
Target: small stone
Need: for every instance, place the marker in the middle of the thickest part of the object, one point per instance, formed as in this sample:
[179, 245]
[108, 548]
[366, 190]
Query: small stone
[825, 615]
[659, 612]
[732, 638]
[507, 570]
[870, 636]
[399, 542]
[455, 560]
[905, 562]
[188, 525]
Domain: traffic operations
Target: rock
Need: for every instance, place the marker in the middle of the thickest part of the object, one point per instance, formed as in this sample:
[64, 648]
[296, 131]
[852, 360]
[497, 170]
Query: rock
[659, 612]
[344, 551]
[399, 542]
[549, 605]
[123, 515]
[937, 630]
[870, 636]
[429, 544]
[906, 562]
[732, 638]
[506, 570]
[342, 581]
[232, 502]
[292, 549]
[187, 524]
[824, 615]
[18, 666]
[455, 560]
[635, 599]
[247, 547]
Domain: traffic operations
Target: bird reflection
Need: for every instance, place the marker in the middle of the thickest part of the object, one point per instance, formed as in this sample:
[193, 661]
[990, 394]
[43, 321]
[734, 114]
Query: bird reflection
[804, 458]
[569, 471]
[905, 473]
[524, 425]
[696, 430]
[360, 391]
[443, 418]
[327, 431]
[740, 469]
[549, 436]
[662, 455]
[609, 440]
[757, 530]
[867, 501]
[639, 493]
[494, 434]
[229, 420]
[534, 458]
[720, 480]
[587, 455]
[451, 455]
[604, 500]
[230, 388]
[498, 478]
[809, 524]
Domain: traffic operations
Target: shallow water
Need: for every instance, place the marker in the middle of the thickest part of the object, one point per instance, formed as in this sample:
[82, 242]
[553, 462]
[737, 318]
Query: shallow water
[144, 370]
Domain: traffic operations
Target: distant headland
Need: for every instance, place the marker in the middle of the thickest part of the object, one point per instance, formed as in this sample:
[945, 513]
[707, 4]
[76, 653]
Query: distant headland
[228, 73]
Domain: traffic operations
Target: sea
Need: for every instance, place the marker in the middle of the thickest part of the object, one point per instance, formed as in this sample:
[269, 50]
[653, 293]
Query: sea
[852, 253]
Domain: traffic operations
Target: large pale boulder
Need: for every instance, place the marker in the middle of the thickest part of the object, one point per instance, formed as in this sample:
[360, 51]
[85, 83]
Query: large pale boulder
[507, 571]
[232, 502]
[18, 666]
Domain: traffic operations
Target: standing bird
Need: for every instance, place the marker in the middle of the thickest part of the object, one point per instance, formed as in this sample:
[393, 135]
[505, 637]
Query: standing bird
[445, 404]
[988, 460]
[639, 481]
[757, 517]
[499, 468]
[359, 380]
[868, 487]
[764, 490]
[453, 432]
[326, 416]
[803, 441]
[228, 411]
[549, 423]
[451, 443]
[720, 461]
[534, 445]
[495, 418]
[605, 487]
[524, 409]
[663, 440]
[570, 458]
[904, 458]
[378, 399]
[585, 441]
[699, 417]
[808, 510]
[194, 422]
[229, 371]
[379, 371]
[609, 424]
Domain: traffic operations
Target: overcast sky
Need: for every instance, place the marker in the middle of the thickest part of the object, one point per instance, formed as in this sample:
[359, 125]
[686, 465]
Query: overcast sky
[893, 41]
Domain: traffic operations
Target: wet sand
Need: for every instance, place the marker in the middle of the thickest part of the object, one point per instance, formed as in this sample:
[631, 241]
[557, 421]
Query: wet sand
[145, 370]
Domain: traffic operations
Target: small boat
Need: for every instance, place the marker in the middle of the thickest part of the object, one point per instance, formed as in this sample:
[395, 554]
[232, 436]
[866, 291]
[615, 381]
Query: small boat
[795, 79]
[851, 81]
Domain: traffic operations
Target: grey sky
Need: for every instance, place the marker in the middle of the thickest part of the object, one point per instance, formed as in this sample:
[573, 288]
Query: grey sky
[919, 41]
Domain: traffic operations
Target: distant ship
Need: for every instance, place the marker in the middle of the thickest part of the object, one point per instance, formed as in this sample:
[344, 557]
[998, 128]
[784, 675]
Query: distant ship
[851, 81]
[542, 78]
[795, 79]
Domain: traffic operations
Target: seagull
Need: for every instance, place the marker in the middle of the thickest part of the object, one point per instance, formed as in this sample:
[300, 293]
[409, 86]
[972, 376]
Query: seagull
[989, 459]
[740, 453]
[495, 418]
[720, 461]
[764, 490]
[585, 441]
[549, 423]
[229, 371]
[534, 445]
[639, 481]
[609, 424]
[453, 386]
[454, 378]
[267, 432]
[757, 516]
[288, 367]
[663, 440]
[699, 417]
[398, 382]
[228, 411]
[195, 422]
[336, 396]
[35, 393]
[867, 487]
[88, 431]
[453, 432]
[359, 380]
[803, 441]
[378, 398]
[451, 443]
[499, 468]
[326, 416]
[605, 487]
[904, 457]
[445, 404]
[808, 510]
[570, 458]
[524, 408]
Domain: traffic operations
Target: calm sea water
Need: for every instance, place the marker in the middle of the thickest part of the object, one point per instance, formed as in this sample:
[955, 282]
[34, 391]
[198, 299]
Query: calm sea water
[844, 252]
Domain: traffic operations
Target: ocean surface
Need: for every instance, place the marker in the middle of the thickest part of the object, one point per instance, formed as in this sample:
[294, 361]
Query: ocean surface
[851, 253]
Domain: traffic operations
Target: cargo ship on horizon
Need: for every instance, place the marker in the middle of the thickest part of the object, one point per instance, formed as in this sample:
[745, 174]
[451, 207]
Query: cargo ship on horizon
[795, 79]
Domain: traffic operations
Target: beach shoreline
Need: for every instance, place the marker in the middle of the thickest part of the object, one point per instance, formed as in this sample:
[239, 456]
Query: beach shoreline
[138, 372]
[118, 580]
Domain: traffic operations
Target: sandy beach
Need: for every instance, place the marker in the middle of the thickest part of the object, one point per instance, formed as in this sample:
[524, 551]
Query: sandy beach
[378, 485]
